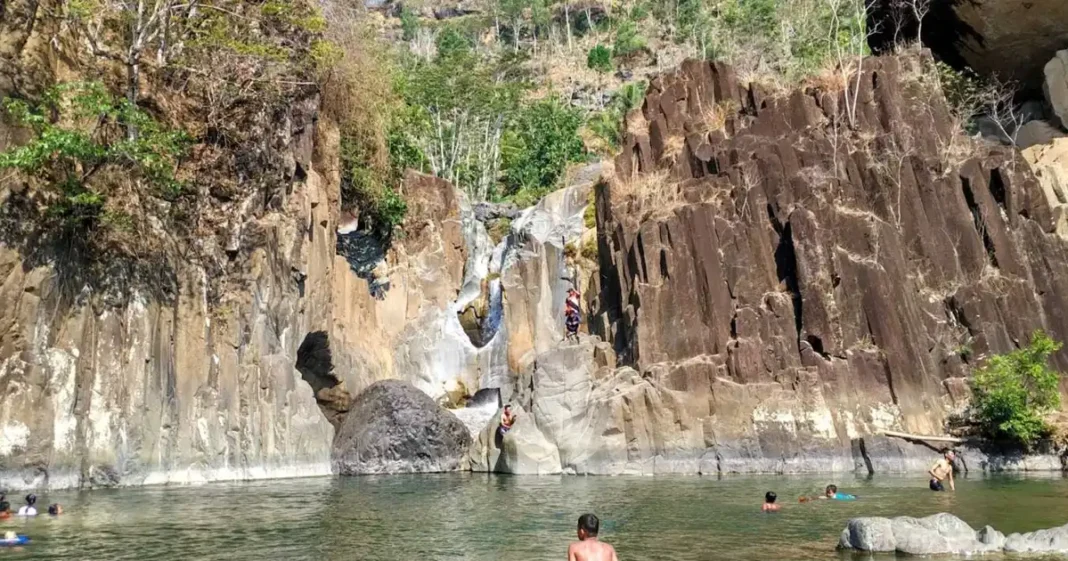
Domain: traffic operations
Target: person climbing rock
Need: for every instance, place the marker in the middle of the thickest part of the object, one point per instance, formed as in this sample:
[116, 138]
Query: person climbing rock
[573, 301]
[507, 420]
[571, 322]
[589, 548]
[941, 470]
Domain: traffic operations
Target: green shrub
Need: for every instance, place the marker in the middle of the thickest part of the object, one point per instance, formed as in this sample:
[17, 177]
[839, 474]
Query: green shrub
[409, 23]
[1013, 393]
[628, 41]
[599, 59]
[607, 124]
[79, 133]
[539, 145]
[452, 42]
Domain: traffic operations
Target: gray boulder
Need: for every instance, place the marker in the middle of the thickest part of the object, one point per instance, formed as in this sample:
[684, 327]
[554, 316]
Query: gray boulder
[1056, 86]
[393, 427]
[1052, 540]
[940, 533]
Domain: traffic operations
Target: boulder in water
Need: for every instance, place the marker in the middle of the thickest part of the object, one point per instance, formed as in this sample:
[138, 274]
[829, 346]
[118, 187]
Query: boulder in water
[937, 534]
[393, 427]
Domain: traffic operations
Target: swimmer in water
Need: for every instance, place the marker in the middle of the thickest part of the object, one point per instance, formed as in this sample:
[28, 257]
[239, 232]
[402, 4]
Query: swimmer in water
[942, 470]
[831, 492]
[55, 509]
[769, 502]
[29, 509]
[588, 548]
[5, 508]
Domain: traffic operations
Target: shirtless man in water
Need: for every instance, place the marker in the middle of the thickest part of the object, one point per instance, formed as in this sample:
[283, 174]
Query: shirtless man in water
[941, 470]
[588, 548]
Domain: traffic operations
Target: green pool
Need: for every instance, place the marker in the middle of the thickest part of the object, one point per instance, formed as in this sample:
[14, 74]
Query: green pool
[489, 518]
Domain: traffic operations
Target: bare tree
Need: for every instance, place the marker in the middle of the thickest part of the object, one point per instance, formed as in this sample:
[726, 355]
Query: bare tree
[148, 25]
[919, 8]
[850, 56]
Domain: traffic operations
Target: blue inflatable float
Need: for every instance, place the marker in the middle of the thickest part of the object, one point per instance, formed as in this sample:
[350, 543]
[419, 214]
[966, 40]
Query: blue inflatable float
[17, 540]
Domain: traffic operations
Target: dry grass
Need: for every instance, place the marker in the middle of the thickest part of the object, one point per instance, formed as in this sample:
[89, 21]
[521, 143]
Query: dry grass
[673, 148]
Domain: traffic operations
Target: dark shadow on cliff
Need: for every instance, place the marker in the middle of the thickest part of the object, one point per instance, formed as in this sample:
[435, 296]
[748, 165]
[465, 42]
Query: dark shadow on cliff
[316, 366]
[85, 263]
[363, 251]
[943, 30]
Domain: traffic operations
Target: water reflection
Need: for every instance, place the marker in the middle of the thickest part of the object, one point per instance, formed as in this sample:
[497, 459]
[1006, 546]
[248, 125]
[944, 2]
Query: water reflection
[489, 518]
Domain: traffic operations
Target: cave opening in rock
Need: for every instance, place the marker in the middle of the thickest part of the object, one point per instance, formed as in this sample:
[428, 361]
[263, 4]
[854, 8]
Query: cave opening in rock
[977, 219]
[786, 270]
[316, 366]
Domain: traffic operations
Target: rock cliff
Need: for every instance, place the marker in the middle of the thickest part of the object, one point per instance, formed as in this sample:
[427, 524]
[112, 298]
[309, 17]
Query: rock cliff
[804, 270]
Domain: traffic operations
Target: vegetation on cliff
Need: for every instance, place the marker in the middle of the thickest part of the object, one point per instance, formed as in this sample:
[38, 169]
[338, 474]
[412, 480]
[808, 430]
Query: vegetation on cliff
[1014, 393]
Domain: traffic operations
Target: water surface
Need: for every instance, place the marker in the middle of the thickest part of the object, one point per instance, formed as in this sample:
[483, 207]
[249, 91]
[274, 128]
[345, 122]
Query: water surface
[474, 517]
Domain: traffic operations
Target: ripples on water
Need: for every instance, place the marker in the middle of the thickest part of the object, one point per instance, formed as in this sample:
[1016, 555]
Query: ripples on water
[472, 517]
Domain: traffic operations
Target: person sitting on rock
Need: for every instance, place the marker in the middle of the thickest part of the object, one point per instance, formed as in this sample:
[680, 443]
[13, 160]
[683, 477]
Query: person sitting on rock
[571, 322]
[507, 419]
[769, 502]
[941, 470]
[588, 548]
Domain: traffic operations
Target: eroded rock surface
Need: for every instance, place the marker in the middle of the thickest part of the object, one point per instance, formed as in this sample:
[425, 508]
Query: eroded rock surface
[942, 534]
[938, 534]
[810, 272]
[392, 427]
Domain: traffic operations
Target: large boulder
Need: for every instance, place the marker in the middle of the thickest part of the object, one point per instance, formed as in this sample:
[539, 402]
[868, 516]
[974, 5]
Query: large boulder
[1050, 165]
[393, 427]
[937, 534]
[522, 450]
[1052, 540]
[1056, 86]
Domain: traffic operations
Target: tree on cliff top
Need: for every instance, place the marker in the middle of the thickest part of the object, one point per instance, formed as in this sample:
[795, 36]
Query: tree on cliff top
[1014, 392]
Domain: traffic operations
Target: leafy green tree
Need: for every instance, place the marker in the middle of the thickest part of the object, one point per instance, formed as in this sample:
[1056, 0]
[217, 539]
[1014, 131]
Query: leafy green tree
[409, 23]
[78, 136]
[599, 59]
[607, 125]
[456, 109]
[628, 40]
[1013, 392]
[539, 145]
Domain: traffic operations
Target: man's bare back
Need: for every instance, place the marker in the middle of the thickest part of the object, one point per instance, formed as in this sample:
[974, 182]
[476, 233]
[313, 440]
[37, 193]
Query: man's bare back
[591, 550]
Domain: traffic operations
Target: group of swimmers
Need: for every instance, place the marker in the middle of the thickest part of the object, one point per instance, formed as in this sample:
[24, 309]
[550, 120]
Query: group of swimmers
[940, 472]
[28, 509]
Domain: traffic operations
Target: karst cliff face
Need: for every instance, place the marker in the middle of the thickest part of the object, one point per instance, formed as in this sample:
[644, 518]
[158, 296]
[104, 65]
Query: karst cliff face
[812, 268]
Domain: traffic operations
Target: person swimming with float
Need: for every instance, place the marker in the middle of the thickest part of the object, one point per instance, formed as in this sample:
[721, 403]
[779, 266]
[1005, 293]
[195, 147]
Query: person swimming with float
[769, 502]
[831, 493]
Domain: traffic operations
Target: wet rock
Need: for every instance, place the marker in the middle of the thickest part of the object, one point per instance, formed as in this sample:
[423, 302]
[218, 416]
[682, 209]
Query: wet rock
[486, 211]
[941, 533]
[1052, 540]
[392, 427]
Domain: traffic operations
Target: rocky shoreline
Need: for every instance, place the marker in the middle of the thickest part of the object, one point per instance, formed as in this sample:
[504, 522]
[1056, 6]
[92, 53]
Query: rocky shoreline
[944, 534]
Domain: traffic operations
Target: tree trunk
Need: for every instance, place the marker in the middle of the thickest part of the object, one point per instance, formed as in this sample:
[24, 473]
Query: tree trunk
[567, 22]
